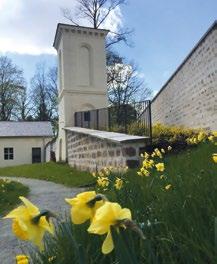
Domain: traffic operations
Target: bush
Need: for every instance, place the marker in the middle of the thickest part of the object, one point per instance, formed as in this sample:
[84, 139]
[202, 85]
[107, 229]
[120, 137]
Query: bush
[164, 136]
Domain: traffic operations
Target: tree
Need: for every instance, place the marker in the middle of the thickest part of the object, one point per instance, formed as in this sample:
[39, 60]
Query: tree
[40, 95]
[23, 108]
[97, 12]
[53, 95]
[44, 94]
[124, 84]
[11, 87]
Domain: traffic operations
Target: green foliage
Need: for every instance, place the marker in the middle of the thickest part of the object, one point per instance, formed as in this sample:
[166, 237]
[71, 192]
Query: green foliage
[179, 223]
[9, 194]
[55, 172]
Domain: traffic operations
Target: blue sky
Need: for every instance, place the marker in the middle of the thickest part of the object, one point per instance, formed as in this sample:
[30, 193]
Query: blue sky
[164, 32]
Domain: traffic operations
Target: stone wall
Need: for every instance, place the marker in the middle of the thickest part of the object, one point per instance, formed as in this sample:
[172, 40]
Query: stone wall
[88, 152]
[189, 98]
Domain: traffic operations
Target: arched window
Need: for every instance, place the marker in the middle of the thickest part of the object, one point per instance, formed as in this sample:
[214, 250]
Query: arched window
[84, 70]
[60, 77]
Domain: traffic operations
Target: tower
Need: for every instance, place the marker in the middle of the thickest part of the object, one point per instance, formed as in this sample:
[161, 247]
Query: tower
[81, 75]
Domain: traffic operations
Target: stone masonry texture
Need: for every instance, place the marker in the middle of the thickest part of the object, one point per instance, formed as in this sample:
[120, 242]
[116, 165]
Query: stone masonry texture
[89, 153]
[189, 98]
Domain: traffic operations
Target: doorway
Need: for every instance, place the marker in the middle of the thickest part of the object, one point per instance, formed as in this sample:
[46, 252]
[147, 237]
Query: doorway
[36, 155]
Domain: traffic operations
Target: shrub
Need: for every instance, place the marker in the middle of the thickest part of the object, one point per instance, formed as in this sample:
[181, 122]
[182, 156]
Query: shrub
[164, 135]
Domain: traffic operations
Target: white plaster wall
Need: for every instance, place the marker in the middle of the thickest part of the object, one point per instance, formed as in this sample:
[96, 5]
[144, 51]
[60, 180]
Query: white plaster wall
[190, 98]
[22, 149]
[81, 86]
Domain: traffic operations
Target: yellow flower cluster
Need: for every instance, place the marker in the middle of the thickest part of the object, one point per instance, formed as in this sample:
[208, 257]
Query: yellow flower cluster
[200, 137]
[102, 215]
[213, 138]
[29, 223]
[4, 185]
[106, 178]
[148, 163]
[103, 182]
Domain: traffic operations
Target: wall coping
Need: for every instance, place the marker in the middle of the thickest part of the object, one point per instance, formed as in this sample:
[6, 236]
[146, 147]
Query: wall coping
[110, 136]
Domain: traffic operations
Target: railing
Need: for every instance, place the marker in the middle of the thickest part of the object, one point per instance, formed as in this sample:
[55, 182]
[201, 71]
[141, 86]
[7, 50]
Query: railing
[118, 118]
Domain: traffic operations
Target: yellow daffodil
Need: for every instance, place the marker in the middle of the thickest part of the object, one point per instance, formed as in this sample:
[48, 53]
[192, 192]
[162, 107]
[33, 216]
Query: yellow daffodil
[167, 187]
[22, 259]
[153, 154]
[211, 138]
[145, 172]
[148, 164]
[110, 214]
[29, 223]
[201, 136]
[160, 166]
[214, 157]
[103, 182]
[84, 206]
[214, 133]
[118, 183]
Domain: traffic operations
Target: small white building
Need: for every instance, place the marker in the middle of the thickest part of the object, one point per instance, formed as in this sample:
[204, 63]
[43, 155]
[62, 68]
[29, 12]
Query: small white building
[23, 142]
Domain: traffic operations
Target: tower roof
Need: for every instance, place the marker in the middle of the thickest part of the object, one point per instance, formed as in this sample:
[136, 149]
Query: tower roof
[76, 29]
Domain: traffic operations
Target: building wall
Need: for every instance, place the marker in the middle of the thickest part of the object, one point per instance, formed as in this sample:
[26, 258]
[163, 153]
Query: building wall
[22, 149]
[82, 76]
[91, 153]
[190, 97]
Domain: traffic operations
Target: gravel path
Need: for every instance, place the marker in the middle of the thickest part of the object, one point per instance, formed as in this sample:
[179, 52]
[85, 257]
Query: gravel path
[46, 195]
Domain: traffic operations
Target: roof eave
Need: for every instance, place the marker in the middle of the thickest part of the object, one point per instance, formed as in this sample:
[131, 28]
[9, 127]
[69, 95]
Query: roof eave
[58, 33]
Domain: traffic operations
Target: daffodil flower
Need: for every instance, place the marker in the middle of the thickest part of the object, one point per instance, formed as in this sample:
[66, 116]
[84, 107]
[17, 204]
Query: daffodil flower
[160, 167]
[108, 215]
[214, 157]
[167, 187]
[118, 183]
[84, 206]
[29, 223]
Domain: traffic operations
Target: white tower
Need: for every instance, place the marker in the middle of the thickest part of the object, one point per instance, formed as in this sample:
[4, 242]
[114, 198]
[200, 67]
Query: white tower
[81, 74]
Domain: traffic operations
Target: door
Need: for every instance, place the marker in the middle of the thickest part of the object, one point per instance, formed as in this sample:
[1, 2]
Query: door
[36, 155]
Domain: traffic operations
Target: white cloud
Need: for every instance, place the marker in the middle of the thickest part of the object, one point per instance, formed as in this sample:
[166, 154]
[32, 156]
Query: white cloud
[28, 26]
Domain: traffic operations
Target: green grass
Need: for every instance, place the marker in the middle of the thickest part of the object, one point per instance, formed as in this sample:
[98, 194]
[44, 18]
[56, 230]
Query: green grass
[55, 172]
[179, 223]
[9, 194]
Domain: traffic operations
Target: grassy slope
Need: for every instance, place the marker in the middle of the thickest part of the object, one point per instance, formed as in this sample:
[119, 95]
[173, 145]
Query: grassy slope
[178, 223]
[55, 172]
[9, 194]
[187, 211]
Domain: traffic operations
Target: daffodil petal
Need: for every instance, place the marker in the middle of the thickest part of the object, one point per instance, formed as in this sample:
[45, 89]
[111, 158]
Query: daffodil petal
[125, 214]
[19, 211]
[33, 210]
[46, 225]
[108, 244]
[81, 214]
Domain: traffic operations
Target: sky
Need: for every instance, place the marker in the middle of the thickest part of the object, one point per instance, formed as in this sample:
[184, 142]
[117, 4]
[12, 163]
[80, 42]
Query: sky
[164, 32]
